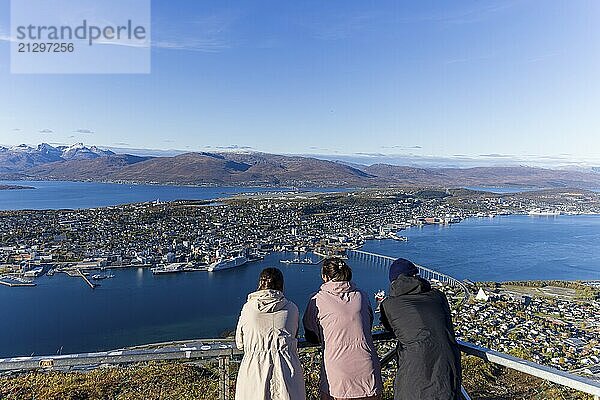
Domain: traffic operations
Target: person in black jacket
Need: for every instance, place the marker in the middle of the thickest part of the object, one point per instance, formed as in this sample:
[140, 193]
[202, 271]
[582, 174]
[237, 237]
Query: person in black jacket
[428, 355]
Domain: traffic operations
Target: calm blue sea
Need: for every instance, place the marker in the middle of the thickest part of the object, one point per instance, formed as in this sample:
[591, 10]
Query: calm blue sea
[500, 190]
[136, 307]
[507, 190]
[54, 195]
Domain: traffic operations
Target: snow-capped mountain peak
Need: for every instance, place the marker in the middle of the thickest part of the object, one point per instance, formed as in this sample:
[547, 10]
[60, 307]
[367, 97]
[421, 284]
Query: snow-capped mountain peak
[80, 151]
[47, 149]
[22, 148]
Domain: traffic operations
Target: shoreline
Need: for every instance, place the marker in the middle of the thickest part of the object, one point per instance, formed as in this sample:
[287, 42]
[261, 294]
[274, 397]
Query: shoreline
[15, 187]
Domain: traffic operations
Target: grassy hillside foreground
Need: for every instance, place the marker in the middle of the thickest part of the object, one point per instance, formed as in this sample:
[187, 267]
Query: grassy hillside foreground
[173, 380]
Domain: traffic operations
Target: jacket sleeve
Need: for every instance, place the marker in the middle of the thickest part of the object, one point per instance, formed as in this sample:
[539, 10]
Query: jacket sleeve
[384, 319]
[370, 309]
[296, 318]
[311, 322]
[239, 331]
[448, 313]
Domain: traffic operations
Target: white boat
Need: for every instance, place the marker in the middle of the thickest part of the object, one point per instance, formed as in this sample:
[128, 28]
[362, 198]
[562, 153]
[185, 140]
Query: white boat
[304, 261]
[399, 238]
[169, 269]
[98, 277]
[227, 263]
[34, 273]
[538, 212]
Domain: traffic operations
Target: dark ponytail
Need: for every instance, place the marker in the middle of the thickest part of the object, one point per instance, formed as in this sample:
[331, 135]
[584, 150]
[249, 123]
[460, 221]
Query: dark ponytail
[270, 278]
[335, 269]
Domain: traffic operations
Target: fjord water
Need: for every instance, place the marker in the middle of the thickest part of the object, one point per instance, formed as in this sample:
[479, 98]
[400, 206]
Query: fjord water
[53, 195]
[135, 307]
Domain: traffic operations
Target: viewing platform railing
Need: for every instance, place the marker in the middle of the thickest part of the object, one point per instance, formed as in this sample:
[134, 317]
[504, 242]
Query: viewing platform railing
[224, 350]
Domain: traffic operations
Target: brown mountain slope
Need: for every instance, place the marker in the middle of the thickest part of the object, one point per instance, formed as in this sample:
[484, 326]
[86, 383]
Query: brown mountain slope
[279, 170]
[84, 169]
[247, 169]
[294, 170]
[486, 176]
[186, 168]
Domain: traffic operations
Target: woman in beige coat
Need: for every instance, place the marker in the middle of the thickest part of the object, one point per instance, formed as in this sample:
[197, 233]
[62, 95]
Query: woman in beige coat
[339, 317]
[266, 331]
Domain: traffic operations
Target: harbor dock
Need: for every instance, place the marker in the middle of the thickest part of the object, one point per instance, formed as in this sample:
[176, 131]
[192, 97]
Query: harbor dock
[85, 278]
[17, 284]
[15, 281]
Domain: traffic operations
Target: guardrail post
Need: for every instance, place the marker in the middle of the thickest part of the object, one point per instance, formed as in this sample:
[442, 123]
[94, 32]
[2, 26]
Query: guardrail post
[227, 383]
[224, 378]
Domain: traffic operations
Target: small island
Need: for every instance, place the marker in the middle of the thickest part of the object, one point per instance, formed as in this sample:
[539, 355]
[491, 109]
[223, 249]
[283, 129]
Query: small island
[15, 187]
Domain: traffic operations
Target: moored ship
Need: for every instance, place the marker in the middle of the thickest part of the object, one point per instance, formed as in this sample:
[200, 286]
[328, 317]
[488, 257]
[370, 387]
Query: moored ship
[227, 263]
[545, 213]
[169, 269]
[304, 261]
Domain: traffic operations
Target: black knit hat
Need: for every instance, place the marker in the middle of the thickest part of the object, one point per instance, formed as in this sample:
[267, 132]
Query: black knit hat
[402, 267]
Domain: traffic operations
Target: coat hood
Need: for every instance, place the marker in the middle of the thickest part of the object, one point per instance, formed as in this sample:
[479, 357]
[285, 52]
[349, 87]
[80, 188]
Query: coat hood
[267, 300]
[409, 285]
[339, 289]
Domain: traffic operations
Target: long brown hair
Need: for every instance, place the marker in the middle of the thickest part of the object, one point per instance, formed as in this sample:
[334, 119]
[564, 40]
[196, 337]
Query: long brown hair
[335, 269]
[270, 278]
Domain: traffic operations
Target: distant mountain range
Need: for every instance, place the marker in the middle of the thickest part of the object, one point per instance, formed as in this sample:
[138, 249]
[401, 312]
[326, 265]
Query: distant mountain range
[18, 159]
[79, 162]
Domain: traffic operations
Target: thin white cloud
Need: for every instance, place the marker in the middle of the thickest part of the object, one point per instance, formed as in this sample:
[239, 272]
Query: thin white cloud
[541, 57]
[482, 12]
[134, 44]
[203, 35]
[464, 160]
[209, 45]
[208, 34]
[234, 147]
[5, 37]
[461, 60]
[338, 27]
[402, 147]
[495, 155]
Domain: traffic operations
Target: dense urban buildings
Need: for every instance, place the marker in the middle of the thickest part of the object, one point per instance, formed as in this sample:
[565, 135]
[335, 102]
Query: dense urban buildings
[557, 328]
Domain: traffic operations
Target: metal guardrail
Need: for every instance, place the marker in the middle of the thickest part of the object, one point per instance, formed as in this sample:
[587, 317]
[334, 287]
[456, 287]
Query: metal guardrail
[123, 356]
[577, 382]
[224, 350]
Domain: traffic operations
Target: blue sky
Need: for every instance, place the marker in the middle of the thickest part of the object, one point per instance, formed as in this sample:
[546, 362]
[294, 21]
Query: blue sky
[481, 79]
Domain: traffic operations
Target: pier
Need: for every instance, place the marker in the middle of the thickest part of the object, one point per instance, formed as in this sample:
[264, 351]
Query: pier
[15, 281]
[17, 284]
[85, 278]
